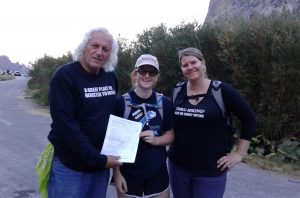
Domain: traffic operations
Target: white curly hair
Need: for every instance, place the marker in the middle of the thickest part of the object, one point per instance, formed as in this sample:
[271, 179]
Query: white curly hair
[111, 64]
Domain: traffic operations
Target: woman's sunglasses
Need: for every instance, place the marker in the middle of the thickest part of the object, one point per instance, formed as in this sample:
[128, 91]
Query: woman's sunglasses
[151, 72]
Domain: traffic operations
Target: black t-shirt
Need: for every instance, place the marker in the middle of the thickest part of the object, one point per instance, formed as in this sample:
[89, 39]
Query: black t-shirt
[80, 105]
[201, 133]
[149, 158]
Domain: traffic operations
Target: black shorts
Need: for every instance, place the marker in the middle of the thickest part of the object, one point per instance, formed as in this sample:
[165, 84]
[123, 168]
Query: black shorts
[156, 184]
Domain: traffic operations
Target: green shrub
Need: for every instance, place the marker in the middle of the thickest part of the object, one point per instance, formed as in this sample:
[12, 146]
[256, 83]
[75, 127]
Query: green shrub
[259, 57]
[41, 74]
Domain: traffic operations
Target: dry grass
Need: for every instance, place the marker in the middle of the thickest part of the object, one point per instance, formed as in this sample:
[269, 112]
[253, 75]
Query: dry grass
[29, 93]
[290, 169]
[6, 77]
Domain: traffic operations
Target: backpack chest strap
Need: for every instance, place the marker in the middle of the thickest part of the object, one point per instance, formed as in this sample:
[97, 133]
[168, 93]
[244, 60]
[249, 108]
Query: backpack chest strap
[129, 104]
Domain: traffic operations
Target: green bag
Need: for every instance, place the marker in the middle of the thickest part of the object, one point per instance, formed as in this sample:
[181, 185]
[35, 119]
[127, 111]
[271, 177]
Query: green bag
[43, 169]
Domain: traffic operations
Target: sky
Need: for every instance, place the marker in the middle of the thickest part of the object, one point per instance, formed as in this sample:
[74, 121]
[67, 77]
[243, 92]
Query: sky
[29, 29]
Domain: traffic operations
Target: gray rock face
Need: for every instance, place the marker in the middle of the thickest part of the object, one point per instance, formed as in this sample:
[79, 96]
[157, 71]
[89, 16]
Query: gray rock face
[7, 65]
[230, 9]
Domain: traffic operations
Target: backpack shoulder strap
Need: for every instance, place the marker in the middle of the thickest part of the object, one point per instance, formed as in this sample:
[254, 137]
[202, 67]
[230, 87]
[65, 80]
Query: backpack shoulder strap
[176, 90]
[159, 102]
[127, 106]
[217, 94]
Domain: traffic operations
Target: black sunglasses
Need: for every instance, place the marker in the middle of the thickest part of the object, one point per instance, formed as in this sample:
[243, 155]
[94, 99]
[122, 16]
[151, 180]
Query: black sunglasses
[151, 72]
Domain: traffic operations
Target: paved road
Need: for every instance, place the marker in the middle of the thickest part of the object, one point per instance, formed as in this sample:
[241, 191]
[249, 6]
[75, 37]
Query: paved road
[25, 125]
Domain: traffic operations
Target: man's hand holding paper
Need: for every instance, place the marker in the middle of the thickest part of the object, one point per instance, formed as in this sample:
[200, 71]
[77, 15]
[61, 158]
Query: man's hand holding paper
[122, 138]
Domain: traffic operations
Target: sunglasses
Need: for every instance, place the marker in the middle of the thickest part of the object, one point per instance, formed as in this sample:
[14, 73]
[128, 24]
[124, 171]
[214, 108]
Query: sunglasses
[151, 72]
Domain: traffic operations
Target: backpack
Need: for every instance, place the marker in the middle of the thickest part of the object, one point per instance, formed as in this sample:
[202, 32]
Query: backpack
[129, 103]
[217, 95]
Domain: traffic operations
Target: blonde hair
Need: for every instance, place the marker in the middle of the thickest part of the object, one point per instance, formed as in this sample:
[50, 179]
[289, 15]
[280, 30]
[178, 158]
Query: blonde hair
[192, 52]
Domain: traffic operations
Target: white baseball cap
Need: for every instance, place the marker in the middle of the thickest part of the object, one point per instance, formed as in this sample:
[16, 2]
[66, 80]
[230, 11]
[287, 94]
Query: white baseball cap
[147, 59]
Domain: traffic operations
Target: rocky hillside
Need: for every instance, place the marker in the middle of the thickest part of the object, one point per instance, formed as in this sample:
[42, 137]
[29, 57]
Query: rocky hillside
[7, 65]
[229, 9]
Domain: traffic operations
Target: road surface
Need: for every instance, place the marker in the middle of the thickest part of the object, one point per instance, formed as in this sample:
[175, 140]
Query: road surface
[24, 126]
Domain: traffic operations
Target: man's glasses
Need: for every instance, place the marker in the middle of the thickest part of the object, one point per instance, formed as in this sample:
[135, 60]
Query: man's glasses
[151, 72]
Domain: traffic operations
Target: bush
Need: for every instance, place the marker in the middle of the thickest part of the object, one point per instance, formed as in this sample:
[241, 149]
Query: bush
[259, 57]
[41, 74]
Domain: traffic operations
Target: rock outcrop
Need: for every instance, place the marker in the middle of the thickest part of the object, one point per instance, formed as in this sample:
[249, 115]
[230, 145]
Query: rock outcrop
[7, 65]
[230, 9]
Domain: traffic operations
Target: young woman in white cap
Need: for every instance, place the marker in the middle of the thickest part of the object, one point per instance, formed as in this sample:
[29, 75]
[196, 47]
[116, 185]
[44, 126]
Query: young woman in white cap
[148, 175]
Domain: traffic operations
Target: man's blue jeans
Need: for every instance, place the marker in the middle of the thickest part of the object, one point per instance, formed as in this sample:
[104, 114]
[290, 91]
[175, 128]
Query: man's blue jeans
[67, 183]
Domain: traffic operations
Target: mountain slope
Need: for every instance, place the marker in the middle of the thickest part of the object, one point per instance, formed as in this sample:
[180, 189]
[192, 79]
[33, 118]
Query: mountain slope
[229, 9]
[7, 65]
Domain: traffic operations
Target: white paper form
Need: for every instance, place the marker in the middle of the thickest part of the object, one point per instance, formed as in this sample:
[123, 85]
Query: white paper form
[122, 138]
